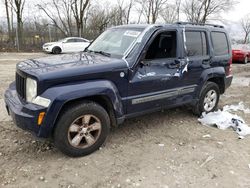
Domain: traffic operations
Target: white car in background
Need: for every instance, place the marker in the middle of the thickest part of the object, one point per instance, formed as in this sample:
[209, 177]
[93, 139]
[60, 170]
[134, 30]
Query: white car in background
[70, 44]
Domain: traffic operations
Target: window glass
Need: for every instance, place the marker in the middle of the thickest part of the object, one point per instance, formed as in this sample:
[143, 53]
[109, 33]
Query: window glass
[71, 40]
[220, 44]
[80, 40]
[204, 43]
[115, 41]
[163, 46]
[196, 43]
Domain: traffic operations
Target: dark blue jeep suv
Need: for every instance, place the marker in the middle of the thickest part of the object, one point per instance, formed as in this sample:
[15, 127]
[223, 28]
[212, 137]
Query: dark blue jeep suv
[127, 71]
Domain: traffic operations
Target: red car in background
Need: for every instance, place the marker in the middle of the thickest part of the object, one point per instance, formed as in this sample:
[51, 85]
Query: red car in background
[241, 53]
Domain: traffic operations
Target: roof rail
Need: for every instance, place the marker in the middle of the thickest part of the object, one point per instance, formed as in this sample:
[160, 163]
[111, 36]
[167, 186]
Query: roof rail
[201, 24]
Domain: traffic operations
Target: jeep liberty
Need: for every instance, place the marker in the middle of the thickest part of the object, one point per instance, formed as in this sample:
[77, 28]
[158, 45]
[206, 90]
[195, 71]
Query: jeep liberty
[127, 71]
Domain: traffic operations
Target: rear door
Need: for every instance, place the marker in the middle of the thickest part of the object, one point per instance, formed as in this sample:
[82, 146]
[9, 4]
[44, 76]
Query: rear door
[197, 54]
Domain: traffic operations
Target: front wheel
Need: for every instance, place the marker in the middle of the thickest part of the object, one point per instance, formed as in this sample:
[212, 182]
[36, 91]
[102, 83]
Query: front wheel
[56, 50]
[82, 129]
[245, 60]
[208, 100]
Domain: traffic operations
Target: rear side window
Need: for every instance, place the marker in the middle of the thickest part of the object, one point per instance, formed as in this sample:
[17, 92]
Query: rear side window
[80, 40]
[220, 43]
[196, 43]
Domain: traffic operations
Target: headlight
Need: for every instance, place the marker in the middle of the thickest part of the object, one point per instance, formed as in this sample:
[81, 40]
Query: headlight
[31, 89]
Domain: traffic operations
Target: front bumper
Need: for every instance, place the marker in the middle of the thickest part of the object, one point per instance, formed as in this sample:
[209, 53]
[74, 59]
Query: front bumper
[47, 49]
[24, 115]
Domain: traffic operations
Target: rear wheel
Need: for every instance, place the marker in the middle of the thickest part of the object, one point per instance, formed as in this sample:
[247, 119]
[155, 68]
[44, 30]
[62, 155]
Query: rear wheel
[208, 100]
[82, 129]
[56, 50]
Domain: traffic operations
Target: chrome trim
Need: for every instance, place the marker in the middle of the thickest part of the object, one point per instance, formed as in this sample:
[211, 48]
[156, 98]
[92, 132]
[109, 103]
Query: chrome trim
[166, 94]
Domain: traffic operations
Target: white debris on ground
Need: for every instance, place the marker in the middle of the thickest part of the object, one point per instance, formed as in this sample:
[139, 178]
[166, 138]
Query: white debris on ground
[234, 108]
[224, 119]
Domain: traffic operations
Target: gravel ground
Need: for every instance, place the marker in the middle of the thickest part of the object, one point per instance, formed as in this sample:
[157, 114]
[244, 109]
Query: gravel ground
[165, 149]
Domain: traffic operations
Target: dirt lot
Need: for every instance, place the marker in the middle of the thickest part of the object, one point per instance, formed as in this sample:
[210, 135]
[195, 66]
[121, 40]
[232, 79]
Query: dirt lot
[134, 154]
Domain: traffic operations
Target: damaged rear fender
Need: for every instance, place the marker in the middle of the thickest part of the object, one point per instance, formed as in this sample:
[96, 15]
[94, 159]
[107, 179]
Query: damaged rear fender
[215, 75]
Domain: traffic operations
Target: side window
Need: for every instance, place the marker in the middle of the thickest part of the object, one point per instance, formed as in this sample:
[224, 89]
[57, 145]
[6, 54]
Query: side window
[80, 40]
[163, 46]
[196, 43]
[71, 40]
[220, 43]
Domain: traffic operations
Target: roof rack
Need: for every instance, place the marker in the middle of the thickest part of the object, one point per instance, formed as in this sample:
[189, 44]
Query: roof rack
[201, 24]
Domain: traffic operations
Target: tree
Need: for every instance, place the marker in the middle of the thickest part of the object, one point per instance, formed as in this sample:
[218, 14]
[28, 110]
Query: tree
[79, 8]
[245, 24]
[199, 11]
[18, 6]
[170, 14]
[59, 12]
[151, 9]
[124, 10]
[6, 3]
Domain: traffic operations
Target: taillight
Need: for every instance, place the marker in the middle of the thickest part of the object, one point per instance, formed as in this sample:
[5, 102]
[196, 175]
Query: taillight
[230, 67]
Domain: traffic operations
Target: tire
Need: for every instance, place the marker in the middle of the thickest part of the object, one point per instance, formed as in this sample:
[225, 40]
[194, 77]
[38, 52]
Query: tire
[56, 50]
[82, 129]
[210, 94]
[245, 60]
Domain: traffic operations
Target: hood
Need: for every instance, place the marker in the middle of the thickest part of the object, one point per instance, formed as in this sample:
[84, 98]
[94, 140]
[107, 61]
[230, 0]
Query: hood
[49, 43]
[69, 65]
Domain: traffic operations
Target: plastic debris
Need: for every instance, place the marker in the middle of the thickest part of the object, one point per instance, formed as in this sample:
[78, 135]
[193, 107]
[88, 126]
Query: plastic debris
[224, 119]
[241, 128]
[234, 108]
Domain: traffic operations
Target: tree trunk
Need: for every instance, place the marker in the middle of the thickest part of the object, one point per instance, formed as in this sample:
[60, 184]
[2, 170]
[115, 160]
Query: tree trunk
[8, 19]
[245, 38]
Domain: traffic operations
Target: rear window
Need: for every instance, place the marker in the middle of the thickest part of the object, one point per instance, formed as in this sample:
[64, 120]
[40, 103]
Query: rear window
[196, 43]
[220, 43]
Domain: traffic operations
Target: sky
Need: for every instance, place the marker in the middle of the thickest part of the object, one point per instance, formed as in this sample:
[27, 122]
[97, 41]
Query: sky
[233, 16]
[240, 9]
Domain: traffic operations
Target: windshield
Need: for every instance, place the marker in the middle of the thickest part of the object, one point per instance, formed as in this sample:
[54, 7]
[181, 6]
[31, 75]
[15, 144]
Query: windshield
[115, 42]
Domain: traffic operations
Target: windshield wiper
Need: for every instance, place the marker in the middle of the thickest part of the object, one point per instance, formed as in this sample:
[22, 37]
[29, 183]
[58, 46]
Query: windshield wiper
[103, 53]
[100, 52]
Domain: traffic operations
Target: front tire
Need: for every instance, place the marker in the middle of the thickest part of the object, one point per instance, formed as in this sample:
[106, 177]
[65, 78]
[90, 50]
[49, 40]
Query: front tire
[209, 98]
[56, 50]
[82, 129]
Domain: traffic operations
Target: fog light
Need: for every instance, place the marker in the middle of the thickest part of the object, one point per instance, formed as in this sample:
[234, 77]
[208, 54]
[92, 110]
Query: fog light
[40, 118]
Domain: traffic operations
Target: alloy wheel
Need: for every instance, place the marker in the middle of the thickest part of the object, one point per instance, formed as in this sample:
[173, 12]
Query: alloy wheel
[84, 131]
